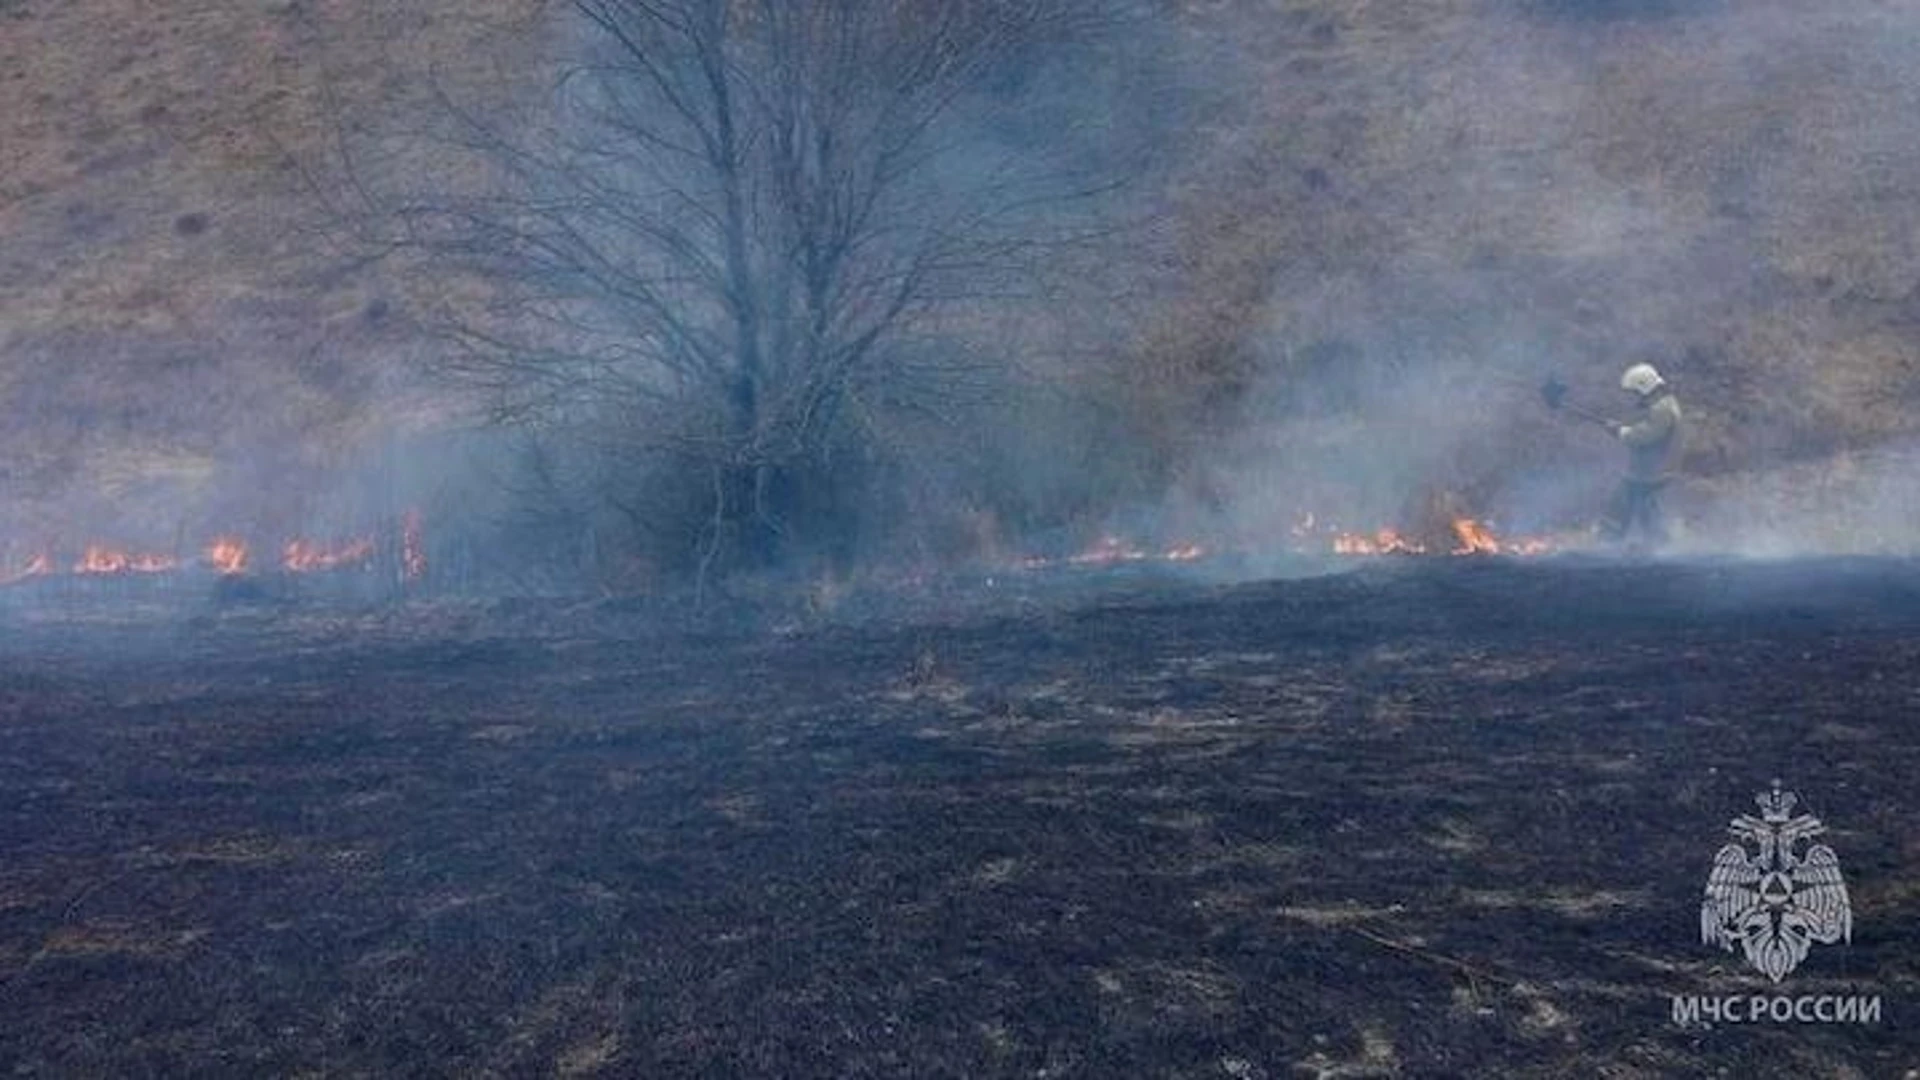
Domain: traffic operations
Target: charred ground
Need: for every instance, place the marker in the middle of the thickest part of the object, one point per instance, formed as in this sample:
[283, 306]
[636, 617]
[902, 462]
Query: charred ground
[1414, 820]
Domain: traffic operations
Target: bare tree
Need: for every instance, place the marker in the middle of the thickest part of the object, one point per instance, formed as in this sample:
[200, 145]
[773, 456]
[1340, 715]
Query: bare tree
[741, 235]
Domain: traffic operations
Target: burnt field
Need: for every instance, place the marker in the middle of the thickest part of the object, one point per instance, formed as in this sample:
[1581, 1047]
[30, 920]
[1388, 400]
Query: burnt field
[1432, 817]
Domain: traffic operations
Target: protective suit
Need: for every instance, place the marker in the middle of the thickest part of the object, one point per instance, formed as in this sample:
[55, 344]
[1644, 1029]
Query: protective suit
[1653, 439]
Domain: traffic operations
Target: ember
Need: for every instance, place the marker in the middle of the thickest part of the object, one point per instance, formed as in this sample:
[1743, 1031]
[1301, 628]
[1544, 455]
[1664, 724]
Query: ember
[1109, 549]
[1113, 549]
[413, 549]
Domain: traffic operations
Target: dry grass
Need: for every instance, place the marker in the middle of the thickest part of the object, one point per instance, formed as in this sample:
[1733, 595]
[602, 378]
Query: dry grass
[1372, 189]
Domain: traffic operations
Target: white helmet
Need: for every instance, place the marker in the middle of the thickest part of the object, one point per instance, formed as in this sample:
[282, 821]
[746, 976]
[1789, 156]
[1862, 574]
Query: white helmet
[1642, 379]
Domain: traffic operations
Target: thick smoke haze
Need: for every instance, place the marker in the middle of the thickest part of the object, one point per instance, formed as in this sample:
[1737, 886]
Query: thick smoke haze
[1483, 195]
[1337, 247]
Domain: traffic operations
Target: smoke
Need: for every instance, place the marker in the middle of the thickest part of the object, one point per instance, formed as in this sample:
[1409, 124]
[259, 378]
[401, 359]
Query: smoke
[1851, 503]
[1452, 203]
[1344, 245]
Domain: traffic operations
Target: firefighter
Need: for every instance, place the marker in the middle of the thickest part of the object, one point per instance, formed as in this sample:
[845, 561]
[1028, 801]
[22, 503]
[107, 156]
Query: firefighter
[1653, 439]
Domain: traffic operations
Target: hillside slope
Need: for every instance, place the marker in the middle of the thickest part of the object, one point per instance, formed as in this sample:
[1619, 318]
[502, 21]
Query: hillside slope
[1394, 220]
[1416, 212]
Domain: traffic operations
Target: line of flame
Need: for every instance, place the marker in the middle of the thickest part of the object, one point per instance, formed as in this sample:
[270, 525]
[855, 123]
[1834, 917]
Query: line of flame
[229, 555]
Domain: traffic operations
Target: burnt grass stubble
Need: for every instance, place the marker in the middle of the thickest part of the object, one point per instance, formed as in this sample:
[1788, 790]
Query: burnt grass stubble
[1420, 819]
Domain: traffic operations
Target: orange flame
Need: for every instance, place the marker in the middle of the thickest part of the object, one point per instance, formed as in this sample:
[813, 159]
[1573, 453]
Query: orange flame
[1383, 542]
[305, 556]
[1476, 538]
[1470, 535]
[1473, 538]
[100, 559]
[227, 555]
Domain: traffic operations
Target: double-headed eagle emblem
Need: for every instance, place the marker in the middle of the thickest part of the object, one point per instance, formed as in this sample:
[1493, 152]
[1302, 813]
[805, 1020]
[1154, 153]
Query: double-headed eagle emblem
[1776, 900]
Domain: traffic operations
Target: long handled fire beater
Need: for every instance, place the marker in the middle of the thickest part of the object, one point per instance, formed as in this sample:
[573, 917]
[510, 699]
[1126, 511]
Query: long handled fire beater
[1554, 393]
